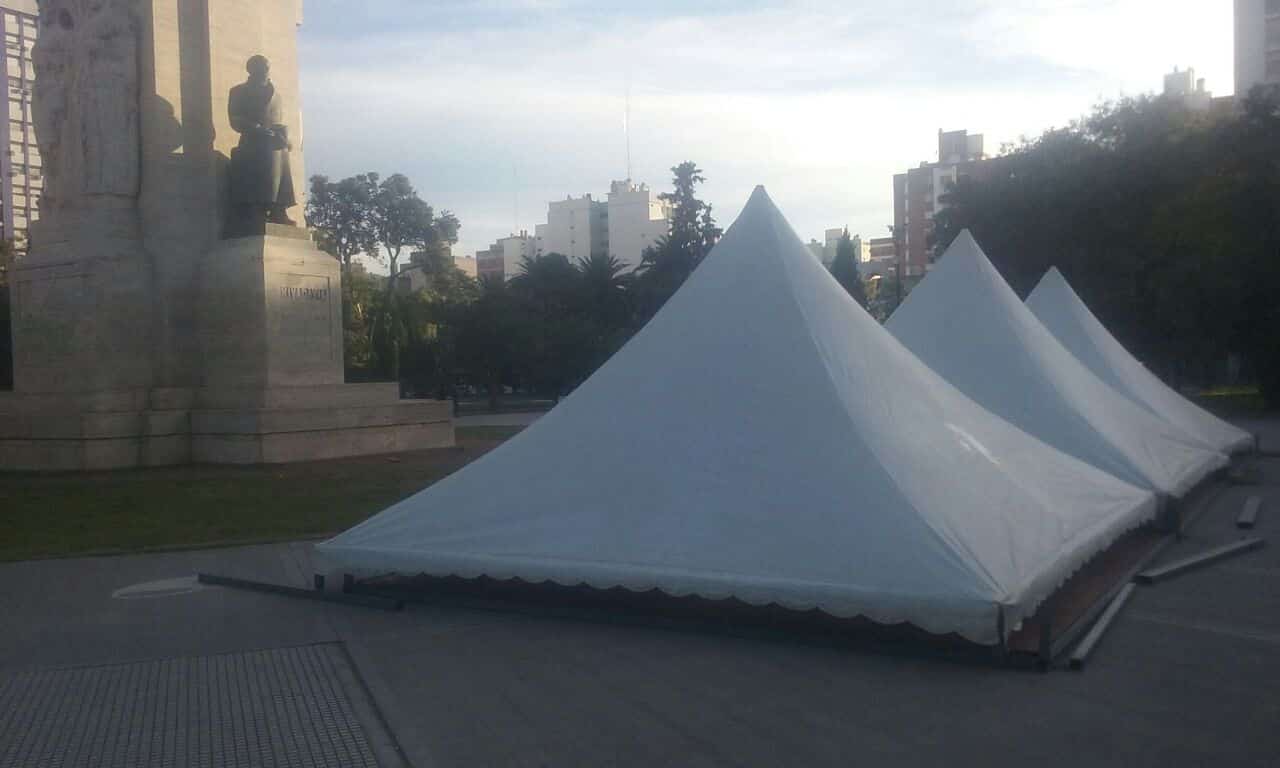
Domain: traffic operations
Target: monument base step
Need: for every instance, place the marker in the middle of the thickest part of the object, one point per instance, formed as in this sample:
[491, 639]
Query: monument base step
[90, 431]
[93, 454]
[285, 435]
[273, 426]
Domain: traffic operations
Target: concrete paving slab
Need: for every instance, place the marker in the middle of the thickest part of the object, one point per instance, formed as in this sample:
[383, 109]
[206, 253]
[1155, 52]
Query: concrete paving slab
[62, 611]
[263, 708]
[1184, 678]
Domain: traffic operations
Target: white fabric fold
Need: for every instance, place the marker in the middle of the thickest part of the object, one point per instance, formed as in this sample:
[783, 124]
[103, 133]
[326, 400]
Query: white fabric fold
[1067, 317]
[967, 324]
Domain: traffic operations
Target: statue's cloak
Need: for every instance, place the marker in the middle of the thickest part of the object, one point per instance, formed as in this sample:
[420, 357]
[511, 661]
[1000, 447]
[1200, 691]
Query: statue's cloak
[260, 173]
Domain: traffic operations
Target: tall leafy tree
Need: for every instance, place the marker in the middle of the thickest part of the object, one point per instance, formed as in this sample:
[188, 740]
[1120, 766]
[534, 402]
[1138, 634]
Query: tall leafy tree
[341, 213]
[1162, 218]
[844, 268]
[687, 237]
[401, 219]
[669, 262]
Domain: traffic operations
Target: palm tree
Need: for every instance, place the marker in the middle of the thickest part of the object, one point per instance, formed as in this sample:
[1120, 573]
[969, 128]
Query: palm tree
[605, 285]
[548, 282]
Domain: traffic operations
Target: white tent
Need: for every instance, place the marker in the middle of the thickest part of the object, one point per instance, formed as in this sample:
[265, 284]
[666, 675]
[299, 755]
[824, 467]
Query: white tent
[763, 438]
[1061, 311]
[966, 323]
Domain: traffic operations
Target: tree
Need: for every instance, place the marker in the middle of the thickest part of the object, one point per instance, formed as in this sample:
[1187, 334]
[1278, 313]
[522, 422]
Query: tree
[387, 334]
[691, 224]
[844, 268]
[384, 218]
[341, 213]
[606, 306]
[548, 281]
[363, 303]
[1162, 218]
[669, 262]
[490, 332]
[605, 289]
[550, 288]
[402, 220]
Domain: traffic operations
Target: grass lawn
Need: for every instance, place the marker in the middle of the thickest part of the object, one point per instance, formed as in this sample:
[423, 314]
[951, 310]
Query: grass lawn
[56, 515]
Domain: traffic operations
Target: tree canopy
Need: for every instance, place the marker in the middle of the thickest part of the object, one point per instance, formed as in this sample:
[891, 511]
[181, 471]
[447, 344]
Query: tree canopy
[341, 213]
[844, 268]
[668, 263]
[1163, 219]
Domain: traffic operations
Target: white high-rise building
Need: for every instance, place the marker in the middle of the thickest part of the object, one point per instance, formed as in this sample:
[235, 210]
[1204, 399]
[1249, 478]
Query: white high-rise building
[1183, 84]
[632, 219]
[1257, 44]
[637, 218]
[826, 251]
[539, 239]
[502, 259]
[576, 227]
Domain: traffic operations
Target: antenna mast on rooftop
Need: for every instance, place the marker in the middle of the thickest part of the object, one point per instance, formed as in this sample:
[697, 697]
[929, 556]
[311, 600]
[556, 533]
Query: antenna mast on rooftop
[626, 125]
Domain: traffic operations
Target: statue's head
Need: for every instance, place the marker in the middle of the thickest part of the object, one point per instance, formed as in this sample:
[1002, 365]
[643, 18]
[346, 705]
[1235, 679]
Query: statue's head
[259, 69]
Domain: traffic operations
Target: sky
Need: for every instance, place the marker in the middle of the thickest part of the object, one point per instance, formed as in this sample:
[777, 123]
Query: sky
[493, 108]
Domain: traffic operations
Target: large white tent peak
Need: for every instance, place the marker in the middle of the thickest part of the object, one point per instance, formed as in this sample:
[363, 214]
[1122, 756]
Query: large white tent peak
[967, 324]
[763, 438]
[1067, 317]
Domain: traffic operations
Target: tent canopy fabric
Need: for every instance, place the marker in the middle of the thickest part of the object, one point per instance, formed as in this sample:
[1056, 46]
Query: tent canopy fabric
[966, 323]
[763, 438]
[1061, 310]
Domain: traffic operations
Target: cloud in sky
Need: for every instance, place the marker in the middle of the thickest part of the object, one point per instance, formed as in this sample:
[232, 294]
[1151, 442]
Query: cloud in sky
[495, 107]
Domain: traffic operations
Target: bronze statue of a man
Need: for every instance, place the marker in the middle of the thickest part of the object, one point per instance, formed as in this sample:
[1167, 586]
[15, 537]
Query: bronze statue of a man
[261, 183]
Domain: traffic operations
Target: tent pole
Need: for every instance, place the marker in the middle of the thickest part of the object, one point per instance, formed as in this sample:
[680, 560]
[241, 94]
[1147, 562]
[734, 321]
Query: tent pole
[1002, 648]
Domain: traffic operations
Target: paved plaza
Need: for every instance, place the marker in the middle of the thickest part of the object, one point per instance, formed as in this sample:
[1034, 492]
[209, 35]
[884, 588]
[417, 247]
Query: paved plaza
[127, 661]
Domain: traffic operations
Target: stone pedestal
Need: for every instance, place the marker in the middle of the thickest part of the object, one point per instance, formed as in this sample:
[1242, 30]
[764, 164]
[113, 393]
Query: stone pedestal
[271, 309]
[270, 386]
[271, 342]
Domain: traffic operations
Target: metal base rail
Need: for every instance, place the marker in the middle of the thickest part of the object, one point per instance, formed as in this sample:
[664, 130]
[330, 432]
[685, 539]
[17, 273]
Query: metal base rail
[1204, 558]
[366, 601]
[1249, 515]
[1081, 654]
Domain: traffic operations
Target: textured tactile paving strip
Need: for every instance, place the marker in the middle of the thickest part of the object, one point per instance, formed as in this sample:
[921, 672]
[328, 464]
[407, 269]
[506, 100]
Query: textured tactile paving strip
[282, 707]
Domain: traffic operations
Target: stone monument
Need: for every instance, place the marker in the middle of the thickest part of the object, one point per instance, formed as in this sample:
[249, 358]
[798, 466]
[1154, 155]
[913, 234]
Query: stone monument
[170, 309]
